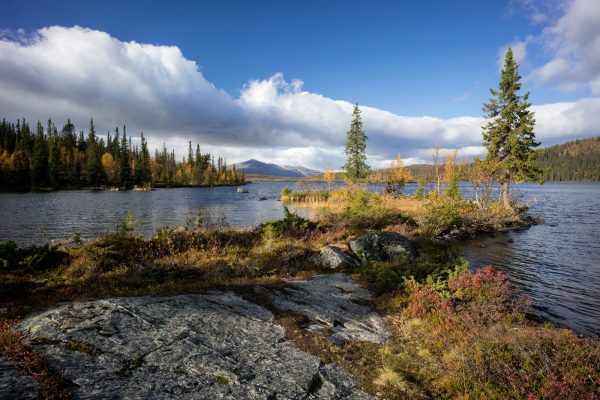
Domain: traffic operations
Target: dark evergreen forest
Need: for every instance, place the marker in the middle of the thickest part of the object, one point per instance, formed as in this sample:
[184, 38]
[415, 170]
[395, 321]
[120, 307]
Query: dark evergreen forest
[47, 157]
[578, 160]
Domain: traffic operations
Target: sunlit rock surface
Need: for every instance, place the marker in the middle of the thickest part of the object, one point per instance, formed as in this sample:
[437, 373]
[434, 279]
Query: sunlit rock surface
[206, 346]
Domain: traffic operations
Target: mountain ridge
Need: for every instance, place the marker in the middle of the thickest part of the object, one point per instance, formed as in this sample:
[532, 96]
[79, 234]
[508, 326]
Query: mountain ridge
[257, 167]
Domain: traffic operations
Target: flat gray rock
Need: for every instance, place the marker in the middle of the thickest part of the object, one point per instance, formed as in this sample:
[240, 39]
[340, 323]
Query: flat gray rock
[215, 345]
[15, 385]
[336, 306]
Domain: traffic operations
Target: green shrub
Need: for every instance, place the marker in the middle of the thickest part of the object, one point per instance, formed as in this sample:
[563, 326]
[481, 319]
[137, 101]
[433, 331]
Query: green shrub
[443, 217]
[290, 225]
[128, 226]
[32, 259]
[387, 277]
[420, 191]
[8, 250]
[359, 203]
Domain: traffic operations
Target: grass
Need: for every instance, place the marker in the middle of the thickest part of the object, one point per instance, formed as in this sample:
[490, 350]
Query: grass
[15, 348]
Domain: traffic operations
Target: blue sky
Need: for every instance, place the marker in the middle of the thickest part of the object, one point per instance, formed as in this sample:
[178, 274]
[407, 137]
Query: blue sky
[411, 59]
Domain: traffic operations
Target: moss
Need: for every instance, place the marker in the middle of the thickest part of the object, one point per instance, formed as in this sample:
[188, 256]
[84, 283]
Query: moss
[82, 347]
[40, 339]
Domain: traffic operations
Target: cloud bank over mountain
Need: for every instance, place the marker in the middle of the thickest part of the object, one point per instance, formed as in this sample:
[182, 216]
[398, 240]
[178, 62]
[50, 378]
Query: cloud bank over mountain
[59, 72]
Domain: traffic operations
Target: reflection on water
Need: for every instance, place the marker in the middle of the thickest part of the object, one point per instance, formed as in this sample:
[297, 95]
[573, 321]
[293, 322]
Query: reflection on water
[557, 263]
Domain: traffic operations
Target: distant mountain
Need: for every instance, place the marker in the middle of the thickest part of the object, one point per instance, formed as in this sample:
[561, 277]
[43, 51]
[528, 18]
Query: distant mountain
[302, 170]
[255, 167]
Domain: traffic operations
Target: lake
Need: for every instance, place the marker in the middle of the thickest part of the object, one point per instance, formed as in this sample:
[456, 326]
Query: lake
[556, 263]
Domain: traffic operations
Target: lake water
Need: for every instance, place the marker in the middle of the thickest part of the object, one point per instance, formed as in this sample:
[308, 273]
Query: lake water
[556, 263]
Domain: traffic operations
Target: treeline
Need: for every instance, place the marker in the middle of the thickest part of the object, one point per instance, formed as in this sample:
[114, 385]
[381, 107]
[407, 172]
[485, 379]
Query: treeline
[575, 161]
[578, 160]
[51, 158]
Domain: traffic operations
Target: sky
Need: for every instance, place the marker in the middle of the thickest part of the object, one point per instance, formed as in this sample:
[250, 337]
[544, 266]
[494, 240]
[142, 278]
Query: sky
[276, 80]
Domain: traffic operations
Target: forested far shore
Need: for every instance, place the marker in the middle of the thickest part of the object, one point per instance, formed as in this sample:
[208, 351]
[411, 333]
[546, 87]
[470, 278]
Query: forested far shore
[49, 158]
[576, 161]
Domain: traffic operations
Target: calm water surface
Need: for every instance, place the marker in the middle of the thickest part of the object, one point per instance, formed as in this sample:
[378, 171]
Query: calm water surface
[557, 263]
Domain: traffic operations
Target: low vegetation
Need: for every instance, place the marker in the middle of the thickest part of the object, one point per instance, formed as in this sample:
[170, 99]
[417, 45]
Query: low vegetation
[14, 347]
[467, 336]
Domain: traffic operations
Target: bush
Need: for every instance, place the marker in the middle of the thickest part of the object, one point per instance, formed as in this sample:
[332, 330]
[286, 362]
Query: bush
[33, 259]
[290, 225]
[128, 226]
[441, 218]
[467, 336]
[386, 277]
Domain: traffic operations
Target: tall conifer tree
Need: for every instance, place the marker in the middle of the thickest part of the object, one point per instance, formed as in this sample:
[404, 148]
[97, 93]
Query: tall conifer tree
[509, 136]
[92, 152]
[124, 167]
[356, 167]
[39, 158]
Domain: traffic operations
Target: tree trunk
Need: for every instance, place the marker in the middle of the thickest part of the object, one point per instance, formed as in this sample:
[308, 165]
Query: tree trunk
[505, 193]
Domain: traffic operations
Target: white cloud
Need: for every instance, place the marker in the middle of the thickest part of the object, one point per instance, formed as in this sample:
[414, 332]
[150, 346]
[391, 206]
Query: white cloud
[519, 49]
[80, 73]
[573, 41]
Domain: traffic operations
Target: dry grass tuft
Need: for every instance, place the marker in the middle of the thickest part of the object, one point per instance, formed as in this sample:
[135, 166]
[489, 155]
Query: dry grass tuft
[14, 347]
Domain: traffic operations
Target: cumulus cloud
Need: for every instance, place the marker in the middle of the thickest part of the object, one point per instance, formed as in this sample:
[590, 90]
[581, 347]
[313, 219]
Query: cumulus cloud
[573, 41]
[75, 72]
[519, 49]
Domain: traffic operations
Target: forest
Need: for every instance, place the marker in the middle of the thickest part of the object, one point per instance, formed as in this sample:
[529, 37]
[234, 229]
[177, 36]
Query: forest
[578, 161]
[64, 159]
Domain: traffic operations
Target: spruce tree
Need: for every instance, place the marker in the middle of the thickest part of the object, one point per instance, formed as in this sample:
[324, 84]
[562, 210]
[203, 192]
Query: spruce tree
[124, 167]
[509, 136]
[93, 149]
[53, 162]
[190, 159]
[39, 158]
[143, 173]
[356, 167]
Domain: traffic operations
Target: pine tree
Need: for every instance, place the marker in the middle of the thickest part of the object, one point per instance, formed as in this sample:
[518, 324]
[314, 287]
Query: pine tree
[509, 136]
[356, 167]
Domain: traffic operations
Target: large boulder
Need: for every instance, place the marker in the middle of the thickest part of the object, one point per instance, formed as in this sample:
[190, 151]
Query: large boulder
[334, 258]
[383, 246]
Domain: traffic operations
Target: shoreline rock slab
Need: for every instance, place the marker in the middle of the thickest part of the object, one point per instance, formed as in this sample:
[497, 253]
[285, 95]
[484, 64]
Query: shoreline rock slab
[15, 385]
[336, 307]
[213, 345]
